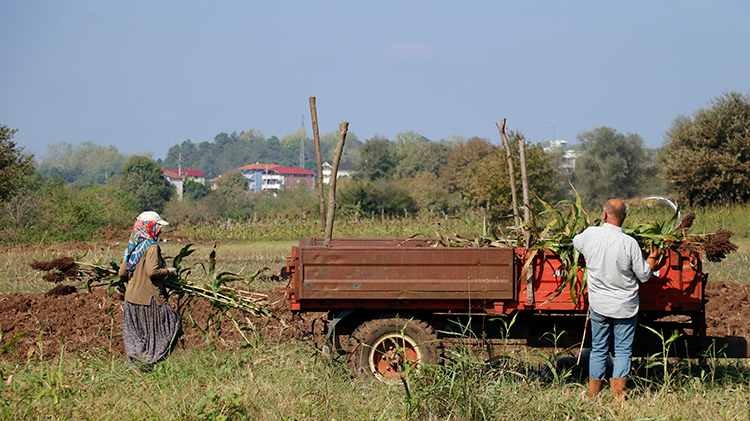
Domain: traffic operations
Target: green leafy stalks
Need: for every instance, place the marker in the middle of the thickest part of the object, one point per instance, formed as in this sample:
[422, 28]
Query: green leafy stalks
[568, 219]
[215, 287]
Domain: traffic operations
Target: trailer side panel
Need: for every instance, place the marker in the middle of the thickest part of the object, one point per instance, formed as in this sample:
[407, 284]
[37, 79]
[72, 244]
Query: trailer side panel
[411, 273]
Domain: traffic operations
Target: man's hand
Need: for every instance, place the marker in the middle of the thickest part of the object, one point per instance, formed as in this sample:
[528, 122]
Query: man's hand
[654, 252]
[653, 256]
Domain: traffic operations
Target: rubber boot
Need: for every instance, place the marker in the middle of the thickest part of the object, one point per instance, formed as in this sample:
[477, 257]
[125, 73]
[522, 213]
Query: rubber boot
[618, 389]
[595, 386]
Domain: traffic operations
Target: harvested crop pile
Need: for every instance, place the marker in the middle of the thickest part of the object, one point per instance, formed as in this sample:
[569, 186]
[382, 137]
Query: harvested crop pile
[58, 270]
[91, 323]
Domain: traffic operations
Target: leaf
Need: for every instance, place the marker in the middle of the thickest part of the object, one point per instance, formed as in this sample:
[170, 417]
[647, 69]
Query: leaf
[10, 343]
[184, 252]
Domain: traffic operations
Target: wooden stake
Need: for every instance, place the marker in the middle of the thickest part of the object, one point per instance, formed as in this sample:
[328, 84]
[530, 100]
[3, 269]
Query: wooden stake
[343, 128]
[526, 220]
[583, 339]
[319, 159]
[511, 173]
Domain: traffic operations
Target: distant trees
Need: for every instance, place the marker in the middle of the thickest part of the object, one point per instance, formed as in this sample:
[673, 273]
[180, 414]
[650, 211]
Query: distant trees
[478, 171]
[374, 197]
[232, 183]
[328, 141]
[610, 165]
[229, 151]
[376, 159]
[80, 214]
[194, 190]
[45, 209]
[231, 195]
[400, 177]
[142, 178]
[432, 196]
[14, 166]
[86, 163]
[706, 157]
[464, 163]
[415, 174]
[405, 143]
[426, 157]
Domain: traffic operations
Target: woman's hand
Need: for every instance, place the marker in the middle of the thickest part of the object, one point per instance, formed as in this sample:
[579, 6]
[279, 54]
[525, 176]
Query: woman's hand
[173, 271]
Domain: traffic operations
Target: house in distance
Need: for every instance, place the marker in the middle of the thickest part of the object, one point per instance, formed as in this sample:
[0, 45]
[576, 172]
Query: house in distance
[345, 169]
[274, 177]
[178, 176]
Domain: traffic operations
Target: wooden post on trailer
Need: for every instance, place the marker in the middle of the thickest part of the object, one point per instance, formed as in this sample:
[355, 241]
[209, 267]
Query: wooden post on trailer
[319, 159]
[527, 221]
[511, 173]
[343, 129]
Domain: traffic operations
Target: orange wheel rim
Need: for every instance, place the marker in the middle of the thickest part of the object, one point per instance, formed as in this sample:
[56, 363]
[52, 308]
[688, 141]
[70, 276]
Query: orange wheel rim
[393, 355]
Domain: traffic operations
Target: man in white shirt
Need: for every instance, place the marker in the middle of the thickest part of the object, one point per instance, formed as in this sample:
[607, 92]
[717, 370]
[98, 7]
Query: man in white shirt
[614, 264]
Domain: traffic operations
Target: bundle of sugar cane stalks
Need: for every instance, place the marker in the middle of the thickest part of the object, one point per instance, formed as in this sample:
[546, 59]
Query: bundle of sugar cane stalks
[216, 290]
[568, 219]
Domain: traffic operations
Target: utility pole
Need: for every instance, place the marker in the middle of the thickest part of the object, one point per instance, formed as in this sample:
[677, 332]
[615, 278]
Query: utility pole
[302, 145]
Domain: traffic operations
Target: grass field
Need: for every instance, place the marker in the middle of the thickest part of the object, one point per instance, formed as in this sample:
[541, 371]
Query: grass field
[294, 381]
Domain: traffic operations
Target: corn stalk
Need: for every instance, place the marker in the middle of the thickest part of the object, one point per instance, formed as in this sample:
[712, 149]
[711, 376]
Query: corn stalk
[215, 286]
[569, 218]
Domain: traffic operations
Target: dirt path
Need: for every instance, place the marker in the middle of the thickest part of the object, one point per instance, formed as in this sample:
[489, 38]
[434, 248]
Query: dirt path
[92, 323]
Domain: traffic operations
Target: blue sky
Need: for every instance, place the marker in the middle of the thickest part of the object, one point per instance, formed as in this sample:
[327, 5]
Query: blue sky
[143, 75]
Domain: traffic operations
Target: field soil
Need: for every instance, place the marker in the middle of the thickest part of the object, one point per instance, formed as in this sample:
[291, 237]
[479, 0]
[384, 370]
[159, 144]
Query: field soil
[92, 322]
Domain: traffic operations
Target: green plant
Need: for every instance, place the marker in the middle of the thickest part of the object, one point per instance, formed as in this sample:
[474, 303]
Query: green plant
[559, 373]
[5, 348]
[711, 357]
[216, 290]
[661, 359]
[557, 237]
[220, 407]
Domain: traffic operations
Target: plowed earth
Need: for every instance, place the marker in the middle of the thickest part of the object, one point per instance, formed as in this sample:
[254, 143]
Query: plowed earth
[92, 323]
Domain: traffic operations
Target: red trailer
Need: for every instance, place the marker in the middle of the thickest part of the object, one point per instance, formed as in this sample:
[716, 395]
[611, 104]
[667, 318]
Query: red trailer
[388, 294]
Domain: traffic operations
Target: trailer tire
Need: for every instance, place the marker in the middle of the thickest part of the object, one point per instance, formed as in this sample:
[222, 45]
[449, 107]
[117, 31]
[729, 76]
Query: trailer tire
[388, 349]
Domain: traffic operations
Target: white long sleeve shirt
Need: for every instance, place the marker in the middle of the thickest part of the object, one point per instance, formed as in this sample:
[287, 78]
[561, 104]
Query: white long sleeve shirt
[615, 264]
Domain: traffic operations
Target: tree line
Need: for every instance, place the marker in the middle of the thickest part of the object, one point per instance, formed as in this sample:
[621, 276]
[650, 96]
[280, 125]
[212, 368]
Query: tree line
[82, 190]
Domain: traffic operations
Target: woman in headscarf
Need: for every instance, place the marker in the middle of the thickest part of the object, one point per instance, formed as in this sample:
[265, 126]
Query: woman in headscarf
[150, 327]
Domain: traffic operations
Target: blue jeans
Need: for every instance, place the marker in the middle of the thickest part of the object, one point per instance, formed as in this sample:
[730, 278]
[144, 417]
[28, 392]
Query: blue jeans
[602, 329]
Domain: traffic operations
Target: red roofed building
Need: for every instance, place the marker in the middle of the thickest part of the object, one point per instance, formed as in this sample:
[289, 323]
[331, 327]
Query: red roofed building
[274, 177]
[177, 177]
[256, 166]
[212, 183]
[192, 175]
[293, 175]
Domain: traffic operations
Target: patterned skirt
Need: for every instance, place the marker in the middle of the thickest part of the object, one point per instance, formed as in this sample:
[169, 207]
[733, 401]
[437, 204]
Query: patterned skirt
[150, 333]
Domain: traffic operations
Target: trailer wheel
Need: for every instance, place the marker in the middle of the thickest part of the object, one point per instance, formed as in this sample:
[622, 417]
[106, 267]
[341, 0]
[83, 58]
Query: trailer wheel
[388, 349]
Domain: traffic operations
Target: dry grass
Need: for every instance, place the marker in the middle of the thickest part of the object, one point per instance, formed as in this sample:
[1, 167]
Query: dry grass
[245, 259]
[16, 274]
[735, 268]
